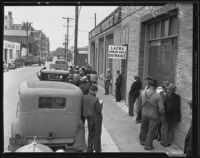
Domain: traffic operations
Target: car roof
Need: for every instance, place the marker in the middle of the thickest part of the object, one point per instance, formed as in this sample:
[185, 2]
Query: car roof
[54, 71]
[50, 85]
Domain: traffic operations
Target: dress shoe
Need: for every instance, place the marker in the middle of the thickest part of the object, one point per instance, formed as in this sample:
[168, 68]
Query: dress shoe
[148, 147]
[130, 114]
[142, 143]
[137, 122]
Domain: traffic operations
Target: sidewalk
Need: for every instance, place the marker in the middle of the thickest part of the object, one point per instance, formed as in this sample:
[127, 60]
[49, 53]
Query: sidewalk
[123, 129]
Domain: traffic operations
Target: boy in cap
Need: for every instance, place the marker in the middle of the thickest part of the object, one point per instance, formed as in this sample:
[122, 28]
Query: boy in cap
[92, 108]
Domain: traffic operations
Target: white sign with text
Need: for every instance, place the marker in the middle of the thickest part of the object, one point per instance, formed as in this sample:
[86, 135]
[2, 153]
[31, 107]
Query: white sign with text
[117, 52]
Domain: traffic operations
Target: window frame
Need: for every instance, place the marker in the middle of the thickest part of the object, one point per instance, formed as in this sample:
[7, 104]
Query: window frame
[46, 108]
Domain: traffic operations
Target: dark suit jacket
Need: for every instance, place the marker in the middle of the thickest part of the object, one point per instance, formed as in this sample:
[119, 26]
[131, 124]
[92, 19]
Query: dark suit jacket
[173, 108]
[119, 81]
[135, 88]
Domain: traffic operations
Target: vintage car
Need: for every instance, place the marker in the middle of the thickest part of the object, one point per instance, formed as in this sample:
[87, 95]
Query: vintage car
[49, 113]
[12, 64]
[60, 64]
[53, 75]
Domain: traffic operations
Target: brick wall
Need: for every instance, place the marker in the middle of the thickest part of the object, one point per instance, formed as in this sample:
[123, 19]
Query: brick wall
[184, 68]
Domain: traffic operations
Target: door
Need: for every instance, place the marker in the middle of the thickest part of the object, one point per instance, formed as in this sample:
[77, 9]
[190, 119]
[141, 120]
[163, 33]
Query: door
[124, 76]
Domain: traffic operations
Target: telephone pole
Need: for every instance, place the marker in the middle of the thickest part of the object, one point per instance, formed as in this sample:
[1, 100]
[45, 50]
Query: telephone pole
[67, 38]
[76, 35]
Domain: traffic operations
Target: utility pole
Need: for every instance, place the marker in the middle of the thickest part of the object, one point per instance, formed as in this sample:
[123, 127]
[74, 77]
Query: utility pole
[66, 52]
[40, 47]
[26, 26]
[76, 35]
[95, 20]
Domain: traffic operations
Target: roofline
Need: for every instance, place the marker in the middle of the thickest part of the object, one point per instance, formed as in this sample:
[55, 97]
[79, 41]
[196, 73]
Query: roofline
[105, 18]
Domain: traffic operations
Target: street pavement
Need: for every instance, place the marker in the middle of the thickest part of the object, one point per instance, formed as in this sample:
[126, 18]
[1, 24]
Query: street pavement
[120, 133]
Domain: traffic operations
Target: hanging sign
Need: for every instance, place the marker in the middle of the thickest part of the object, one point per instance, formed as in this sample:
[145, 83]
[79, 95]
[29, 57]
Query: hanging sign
[117, 52]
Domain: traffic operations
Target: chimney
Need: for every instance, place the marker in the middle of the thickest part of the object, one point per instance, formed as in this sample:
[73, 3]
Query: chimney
[10, 13]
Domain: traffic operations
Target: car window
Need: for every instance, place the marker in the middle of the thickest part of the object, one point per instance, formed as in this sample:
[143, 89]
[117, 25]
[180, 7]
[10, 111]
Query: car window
[55, 77]
[52, 103]
[60, 62]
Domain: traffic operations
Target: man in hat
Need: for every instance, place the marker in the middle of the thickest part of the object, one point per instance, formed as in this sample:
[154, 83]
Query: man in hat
[118, 85]
[92, 108]
[84, 85]
[107, 81]
[134, 94]
[172, 114]
[139, 113]
[152, 108]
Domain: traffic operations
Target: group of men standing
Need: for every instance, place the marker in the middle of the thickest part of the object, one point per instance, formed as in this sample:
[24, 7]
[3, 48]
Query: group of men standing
[158, 110]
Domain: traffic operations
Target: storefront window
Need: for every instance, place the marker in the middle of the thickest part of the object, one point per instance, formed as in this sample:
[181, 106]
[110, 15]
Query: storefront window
[162, 49]
[157, 30]
[10, 54]
[173, 26]
[164, 27]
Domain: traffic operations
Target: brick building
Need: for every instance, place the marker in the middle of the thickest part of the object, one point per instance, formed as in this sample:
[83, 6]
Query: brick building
[11, 51]
[159, 41]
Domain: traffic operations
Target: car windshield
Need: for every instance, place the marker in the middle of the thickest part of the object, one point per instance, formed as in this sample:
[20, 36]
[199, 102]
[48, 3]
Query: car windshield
[55, 77]
[52, 103]
[60, 62]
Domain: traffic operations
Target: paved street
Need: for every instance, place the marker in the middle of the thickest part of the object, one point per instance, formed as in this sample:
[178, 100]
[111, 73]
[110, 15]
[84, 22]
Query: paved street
[119, 133]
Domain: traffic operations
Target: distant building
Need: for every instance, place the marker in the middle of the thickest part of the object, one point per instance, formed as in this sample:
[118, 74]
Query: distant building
[21, 37]
[8, 23]
[11, 50]
[41, 44]
[32, 41]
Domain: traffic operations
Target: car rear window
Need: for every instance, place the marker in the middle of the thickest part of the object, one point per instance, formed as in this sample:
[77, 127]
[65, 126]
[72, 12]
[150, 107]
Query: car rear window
[52, 103]
[57, 77]
[60, 62]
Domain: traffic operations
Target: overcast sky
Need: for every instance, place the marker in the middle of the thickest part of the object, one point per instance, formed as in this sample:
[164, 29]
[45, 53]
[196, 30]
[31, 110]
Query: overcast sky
[49, 20]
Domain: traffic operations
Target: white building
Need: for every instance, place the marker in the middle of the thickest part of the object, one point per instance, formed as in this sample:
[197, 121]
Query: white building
[11, 50]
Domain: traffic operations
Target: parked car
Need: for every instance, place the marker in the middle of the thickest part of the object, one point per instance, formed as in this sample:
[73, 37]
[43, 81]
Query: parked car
[5, 67]
[12, 64]
[49, 113]
[53, 75]
[19, 63]
[60, 64]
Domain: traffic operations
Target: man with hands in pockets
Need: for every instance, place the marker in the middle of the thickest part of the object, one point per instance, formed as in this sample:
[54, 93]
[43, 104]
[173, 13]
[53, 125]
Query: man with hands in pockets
[92, 110]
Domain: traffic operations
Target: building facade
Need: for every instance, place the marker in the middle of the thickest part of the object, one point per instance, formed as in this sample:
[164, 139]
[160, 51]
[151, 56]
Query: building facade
[33, 42]
[159, 43]
[11, 50]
